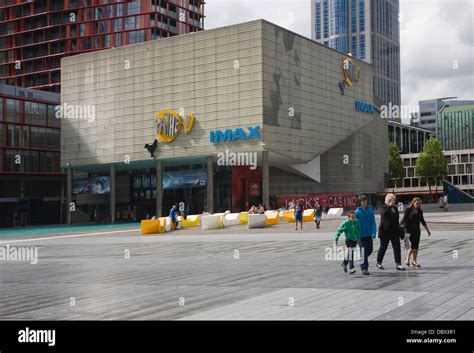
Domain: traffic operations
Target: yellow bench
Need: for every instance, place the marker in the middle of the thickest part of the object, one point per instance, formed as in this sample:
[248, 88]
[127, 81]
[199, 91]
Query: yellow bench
[289, 216]
[244, 217]
[153, 226]
[191, 221]
[308, 215]
[272, 217]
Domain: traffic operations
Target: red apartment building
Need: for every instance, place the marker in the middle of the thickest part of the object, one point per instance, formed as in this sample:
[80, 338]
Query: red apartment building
[34, 36]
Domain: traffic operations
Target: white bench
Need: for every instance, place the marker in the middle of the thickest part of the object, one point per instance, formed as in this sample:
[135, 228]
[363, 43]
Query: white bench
[256, 221]
[210, 221]
[231, 219]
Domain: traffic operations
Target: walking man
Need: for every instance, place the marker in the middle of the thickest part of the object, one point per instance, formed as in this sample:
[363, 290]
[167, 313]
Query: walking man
[368, 231]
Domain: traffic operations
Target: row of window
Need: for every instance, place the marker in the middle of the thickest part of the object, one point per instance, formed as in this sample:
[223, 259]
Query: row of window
[453, 179]
[30, 136]
[20, 161]
[19, 111]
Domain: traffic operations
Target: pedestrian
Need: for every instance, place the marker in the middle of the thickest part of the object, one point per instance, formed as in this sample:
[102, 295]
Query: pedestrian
[253, 210]
[261, 209]
[173, 217]
[445, 203]
[317, 215]
[351, 229]
[299, 215]
[411, 224]
[390, 232]
[368, 230]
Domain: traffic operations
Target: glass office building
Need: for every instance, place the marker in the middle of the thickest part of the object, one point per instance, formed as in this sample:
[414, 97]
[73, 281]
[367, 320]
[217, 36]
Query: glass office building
[455, 127]
[370, 31]
[409, 139]
[35, 35]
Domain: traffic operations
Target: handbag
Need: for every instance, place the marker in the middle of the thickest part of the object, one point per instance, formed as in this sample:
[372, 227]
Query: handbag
[407, 242]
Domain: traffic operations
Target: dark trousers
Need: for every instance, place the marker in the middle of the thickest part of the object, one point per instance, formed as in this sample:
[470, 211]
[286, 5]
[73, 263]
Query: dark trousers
[349, 258]
[366, 249]
[395, 240]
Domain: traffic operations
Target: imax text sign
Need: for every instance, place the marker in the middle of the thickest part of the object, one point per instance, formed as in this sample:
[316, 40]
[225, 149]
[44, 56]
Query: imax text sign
[364, 107]
[230, 135]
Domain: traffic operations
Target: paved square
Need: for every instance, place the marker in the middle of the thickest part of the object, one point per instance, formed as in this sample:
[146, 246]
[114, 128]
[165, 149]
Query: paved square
[275, 273]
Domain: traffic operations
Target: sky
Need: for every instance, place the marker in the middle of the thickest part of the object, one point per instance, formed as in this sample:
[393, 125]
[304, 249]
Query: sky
[436, 40]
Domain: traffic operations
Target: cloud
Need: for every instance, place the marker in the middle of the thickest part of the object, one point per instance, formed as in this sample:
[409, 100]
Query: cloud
[437, 39]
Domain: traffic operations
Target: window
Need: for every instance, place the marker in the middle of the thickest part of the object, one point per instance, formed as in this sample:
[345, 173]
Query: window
[353, 16]
[325, 19]
[318, 20]
[13, 110]
[361, 15]
[362, 47]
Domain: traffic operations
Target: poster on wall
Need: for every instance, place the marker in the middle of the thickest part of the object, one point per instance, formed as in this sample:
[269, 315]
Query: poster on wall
[97, 185]
[185, 179]
[254, 188]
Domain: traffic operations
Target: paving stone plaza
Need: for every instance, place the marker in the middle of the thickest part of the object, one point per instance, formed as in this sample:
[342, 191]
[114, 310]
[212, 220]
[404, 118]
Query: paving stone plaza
[275, 273]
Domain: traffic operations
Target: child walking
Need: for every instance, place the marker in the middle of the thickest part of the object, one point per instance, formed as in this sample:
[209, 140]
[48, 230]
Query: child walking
[351, 229]
[317, 215]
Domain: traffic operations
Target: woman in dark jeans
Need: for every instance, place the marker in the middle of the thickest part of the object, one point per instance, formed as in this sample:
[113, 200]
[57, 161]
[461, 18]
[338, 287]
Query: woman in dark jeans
[411, 224]
[389, 232]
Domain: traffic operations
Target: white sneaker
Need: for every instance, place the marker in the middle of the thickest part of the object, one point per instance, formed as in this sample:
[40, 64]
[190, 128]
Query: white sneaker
[352, 271]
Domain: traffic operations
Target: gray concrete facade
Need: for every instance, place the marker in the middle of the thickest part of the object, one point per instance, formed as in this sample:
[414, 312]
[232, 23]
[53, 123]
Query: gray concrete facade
[245, 75]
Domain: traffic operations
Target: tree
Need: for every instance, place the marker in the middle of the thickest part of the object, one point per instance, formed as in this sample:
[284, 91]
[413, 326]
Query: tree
[431, 166]
[395, 166]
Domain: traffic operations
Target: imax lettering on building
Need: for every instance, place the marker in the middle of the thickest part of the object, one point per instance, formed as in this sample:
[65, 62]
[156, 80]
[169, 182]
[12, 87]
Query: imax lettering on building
[230, 135]
[364, 107]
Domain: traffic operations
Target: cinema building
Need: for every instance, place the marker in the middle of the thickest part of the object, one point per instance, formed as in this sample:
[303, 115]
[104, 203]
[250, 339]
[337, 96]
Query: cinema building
[172, 117]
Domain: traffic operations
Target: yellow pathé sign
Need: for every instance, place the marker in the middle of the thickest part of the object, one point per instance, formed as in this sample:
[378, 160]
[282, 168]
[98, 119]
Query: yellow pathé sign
[169, 123]
[351, 71]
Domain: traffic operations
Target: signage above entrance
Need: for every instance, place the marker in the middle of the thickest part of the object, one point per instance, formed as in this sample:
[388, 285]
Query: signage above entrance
[230, 135]
[169, 123]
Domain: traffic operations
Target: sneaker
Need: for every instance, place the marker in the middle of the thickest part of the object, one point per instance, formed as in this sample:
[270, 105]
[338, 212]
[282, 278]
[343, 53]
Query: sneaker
[379, 266]
[365, 272]
[344, 267]
[352, 271]
[400, 268]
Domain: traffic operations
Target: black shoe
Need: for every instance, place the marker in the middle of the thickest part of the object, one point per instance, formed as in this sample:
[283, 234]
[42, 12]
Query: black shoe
[379, 266]
[344, 267]
[400, 268]
[416, 265]
[365, 272]
[407, 263]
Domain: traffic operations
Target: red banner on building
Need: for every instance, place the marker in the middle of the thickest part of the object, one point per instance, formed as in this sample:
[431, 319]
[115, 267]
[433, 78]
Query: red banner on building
[346, 201]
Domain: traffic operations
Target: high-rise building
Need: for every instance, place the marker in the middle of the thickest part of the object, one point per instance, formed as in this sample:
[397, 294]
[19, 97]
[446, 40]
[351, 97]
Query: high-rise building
[430, 108]
[367, 29]
[35, 35]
